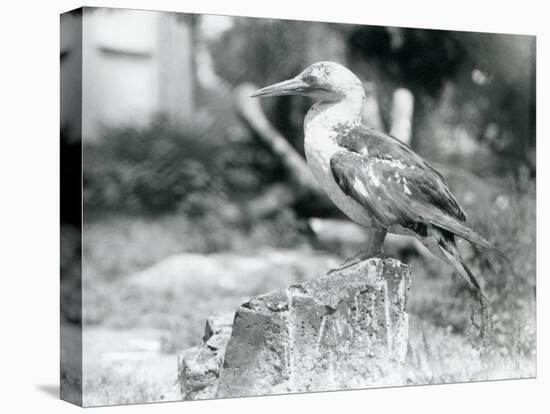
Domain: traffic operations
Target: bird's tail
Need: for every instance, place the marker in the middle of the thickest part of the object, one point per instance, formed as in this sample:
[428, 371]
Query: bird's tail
[448, 226]
[483, 246]
[447, 245]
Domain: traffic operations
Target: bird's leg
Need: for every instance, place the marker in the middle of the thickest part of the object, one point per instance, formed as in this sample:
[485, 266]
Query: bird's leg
[376, 243]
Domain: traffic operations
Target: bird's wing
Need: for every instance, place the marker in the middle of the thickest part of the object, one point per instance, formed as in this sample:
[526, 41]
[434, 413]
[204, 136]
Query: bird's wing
[395, 156]
[397, 187]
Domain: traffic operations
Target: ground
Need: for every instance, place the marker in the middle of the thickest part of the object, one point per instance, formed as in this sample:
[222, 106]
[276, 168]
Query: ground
[149, 284]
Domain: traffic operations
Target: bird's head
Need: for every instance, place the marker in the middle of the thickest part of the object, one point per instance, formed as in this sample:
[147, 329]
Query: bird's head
[323, 81]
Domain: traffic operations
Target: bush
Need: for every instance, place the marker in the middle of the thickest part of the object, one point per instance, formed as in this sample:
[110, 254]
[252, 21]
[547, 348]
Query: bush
[149, 170]
[162, 168]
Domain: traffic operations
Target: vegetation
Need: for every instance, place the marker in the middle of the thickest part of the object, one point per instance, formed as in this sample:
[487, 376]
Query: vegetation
[163, 168]
[150, 193]
[118, 247]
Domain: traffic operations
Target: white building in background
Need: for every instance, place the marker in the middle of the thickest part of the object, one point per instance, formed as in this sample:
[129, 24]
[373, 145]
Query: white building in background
[135, 65]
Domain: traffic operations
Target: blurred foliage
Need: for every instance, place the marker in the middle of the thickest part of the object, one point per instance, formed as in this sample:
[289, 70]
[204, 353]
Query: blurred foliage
[420, 59]
[164, 168]
[490, 77]
[261, 51]
[474, 107]
[265, 51]
[150, 169]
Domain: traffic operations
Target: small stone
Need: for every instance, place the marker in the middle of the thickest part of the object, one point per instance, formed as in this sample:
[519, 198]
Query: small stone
[218, 323]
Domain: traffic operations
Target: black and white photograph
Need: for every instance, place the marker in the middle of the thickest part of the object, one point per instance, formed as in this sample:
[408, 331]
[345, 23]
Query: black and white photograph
[260, 206]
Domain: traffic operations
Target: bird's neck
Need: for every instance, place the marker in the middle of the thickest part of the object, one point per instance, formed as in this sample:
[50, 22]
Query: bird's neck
[343, 114]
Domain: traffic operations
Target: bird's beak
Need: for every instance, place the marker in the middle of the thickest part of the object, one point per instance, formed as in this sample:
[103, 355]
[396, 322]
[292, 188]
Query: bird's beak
[293, 86]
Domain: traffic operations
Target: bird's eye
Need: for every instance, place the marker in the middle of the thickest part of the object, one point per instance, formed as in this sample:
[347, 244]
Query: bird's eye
[310, 80]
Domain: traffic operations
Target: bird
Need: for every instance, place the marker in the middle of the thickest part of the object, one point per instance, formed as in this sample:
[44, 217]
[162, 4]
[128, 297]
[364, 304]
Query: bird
[375, 179]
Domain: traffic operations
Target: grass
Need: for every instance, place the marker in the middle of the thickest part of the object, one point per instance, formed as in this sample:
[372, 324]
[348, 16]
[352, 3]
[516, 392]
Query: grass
[506, 340]
[444, 332]
[117, 245]
[131, 383]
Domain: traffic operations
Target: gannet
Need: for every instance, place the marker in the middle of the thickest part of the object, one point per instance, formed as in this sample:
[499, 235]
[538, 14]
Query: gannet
[375, 179]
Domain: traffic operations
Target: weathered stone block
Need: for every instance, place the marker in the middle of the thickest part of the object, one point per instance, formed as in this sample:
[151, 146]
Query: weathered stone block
[346, 330]
[199, 366]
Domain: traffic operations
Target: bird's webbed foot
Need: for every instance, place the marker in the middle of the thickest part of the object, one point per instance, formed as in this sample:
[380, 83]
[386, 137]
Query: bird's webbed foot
[352, 261]
[374, 250]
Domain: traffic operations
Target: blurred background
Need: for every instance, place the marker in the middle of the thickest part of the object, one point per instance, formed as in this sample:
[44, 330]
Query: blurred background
[194, 199]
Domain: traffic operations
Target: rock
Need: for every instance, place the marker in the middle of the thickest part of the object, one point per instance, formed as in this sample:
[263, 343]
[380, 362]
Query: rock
[346, 330]
[198, 369]
[216, 325]
[199, 366]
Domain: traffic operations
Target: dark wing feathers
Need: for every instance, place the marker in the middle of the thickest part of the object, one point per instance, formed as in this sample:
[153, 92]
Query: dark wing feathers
[377, 146]
[396, 185]
[362, 139]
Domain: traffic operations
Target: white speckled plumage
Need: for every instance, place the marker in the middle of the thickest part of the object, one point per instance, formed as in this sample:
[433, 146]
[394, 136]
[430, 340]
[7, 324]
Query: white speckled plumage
[320, 145]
